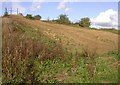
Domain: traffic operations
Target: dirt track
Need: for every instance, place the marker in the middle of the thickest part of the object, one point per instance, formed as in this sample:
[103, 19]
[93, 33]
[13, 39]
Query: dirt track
[72, 37]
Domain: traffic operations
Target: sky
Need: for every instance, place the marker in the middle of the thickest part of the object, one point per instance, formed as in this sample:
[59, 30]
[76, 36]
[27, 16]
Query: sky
[101, 14]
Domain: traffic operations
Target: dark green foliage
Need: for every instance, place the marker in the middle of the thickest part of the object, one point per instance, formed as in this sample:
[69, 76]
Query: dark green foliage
[37, 17]
[63, 19]
[85, 22]
[29, 16]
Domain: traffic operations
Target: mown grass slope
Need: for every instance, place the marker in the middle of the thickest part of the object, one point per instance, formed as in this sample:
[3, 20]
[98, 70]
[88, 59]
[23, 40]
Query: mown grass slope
[39, 52]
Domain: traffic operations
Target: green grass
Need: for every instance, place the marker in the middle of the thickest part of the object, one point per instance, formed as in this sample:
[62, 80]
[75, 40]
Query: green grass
[21, 49]
[67, 70]
[111, 30]
[106, 70]
[46, 61]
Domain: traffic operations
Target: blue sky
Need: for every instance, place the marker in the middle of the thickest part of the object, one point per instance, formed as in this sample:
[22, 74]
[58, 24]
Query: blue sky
[75, 10]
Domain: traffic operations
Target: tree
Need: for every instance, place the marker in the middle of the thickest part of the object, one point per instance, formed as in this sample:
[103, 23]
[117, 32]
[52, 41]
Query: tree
[37, 17]
[29, 16]
[63, 19]
[6, 12]
[85, 22]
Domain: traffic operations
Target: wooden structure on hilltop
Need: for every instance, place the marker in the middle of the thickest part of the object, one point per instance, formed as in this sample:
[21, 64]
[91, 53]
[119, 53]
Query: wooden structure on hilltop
[11, 11]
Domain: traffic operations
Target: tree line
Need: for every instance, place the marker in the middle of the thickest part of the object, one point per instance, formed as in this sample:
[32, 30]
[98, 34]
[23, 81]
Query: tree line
[64, 19]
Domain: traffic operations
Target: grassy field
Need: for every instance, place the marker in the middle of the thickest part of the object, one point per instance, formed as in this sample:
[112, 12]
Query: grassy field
[112, 30]
[39, 52]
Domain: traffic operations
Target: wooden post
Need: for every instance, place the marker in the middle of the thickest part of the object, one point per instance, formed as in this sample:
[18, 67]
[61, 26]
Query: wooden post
[11, 11]
[17, 11]
[5, 9]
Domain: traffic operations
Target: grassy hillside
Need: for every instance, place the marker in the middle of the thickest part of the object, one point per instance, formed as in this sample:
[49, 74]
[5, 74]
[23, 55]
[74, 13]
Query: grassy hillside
[39, 52]
[111, 30]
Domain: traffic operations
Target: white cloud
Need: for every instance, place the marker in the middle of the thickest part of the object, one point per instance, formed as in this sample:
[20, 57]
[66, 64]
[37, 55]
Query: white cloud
[16, 5]
[62, 5]
[36, 5]
[108, 18]
[67, 9]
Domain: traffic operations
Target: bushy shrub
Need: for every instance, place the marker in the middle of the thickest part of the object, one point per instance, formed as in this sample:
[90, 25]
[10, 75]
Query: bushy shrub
[63, 19]
[29, 16]
[37, 17]
[85, 22]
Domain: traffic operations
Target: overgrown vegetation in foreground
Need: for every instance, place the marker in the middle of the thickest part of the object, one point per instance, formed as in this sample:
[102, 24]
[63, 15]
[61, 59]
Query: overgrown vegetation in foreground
[31, 57]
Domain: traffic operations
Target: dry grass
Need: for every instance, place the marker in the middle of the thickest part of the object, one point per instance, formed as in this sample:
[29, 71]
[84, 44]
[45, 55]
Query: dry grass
[20, 50]
[30, 55]
[105, 41]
